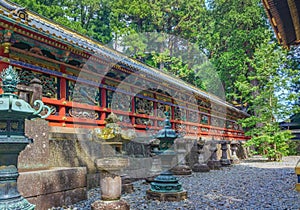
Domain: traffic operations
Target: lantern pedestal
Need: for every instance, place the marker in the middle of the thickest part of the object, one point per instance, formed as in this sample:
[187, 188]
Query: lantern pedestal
[10, 197]
[200, 166]
[166, 187]
[233, 148]
[182, 168]
[213, 163]
[110, 184]
[224, 159]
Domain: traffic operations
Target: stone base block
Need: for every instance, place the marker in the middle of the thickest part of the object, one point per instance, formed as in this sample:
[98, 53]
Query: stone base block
[172, 196]
[181, 170]
[53, 187]
[58, 199]
[110, 205]
[201, 168]
[127, 188]
[214, 164]
[235, 161]
[225, 162]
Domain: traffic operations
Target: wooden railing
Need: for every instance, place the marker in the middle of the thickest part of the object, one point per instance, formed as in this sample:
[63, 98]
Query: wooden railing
[63, 105]
[62, 119]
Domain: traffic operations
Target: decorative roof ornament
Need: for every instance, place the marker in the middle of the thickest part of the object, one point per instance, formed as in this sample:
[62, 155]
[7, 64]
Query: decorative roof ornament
[15, 10]
[11, 103]
[10, 79]
[167, 133]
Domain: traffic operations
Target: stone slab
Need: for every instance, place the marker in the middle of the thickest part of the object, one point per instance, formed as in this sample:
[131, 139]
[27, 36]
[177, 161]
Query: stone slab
[75, 195]
[35, 155]
[201, 168]
[51, 181]
[44, 202]
[181, 170]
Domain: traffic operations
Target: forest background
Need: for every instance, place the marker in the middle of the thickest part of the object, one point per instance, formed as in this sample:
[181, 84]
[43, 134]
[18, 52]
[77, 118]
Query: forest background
[235, 36]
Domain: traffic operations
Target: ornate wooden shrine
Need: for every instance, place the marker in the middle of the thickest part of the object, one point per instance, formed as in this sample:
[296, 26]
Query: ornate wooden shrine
[83, 81]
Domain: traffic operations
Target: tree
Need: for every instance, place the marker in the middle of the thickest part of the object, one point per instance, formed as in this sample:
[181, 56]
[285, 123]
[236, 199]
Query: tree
[91, 18]
[161, 34]
[253, 69]
[272, 79]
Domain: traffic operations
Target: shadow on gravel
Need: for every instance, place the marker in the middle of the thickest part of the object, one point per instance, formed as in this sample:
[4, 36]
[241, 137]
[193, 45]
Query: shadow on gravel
[253, 184]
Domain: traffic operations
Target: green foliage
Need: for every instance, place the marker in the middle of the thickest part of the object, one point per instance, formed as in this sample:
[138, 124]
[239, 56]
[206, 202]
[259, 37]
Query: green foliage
[86, 17]
[293, 147]
[253, 70]
[161, 34]
[270, 141]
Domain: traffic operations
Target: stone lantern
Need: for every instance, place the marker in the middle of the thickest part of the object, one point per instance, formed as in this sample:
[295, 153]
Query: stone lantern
[13, 112]
[112, 138]
[166, 187]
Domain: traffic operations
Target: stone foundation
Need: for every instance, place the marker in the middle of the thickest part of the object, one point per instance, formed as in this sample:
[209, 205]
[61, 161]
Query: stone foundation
[110, 205]
[53, 187]
[175, 196]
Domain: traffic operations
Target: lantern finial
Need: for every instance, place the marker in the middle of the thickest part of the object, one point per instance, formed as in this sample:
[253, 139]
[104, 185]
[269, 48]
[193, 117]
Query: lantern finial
[10, 79]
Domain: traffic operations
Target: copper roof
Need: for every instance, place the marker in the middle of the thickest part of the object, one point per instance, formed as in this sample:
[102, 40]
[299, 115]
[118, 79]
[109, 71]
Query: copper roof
[284, 17]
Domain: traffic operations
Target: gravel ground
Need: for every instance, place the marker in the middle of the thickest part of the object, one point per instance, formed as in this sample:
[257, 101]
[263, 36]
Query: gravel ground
[253, 184]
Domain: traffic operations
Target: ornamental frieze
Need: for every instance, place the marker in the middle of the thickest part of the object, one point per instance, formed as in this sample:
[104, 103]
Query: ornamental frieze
[143, 106]
[82, 93]
[83, 113]
[49, 83]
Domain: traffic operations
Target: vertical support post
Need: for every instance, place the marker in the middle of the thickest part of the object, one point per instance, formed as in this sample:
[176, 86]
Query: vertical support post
[155, 110]
[103, 103]
[173, 115]
[63, 94]
[133, 110]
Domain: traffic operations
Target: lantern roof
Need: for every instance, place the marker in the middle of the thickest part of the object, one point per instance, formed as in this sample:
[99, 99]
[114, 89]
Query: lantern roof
[167, 133]
[11, 107]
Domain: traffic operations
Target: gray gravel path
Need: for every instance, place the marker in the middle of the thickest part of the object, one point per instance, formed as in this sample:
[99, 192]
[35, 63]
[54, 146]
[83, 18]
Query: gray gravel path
[253, 184]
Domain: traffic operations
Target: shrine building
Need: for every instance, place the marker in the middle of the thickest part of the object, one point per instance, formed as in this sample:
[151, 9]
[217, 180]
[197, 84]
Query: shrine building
[83, 81]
